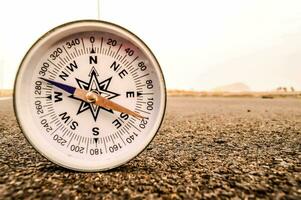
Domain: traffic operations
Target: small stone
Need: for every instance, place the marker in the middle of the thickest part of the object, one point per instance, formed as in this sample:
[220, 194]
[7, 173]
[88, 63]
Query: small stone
[220, 141]
[297, 169]
[277, 160]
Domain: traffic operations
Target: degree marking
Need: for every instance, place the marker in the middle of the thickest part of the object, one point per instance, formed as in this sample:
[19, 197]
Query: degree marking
[124, 61]
[142, 111]
[123, 58]
[141, 76]
[111, 138]
[75, 49]
[53, 64]
[101, 44]
[54, 130]
[53, 120]
[80, 139]
[51, 73]
[134, 126]
[118, 51]
[87, 147]
[66, 51]
[121, 138]
[127, 131]
[62, 61]
[46, 114]
[132, 71]
[66, 60]
[104, 142]
[84, 49]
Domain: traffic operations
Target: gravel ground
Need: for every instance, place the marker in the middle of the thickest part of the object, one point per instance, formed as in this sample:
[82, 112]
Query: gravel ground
[209, 148]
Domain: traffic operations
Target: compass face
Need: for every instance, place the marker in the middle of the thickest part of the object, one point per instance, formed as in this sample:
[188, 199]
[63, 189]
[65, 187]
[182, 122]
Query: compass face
[98, 57]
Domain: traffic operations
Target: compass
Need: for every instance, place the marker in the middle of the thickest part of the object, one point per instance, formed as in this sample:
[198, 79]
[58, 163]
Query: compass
[89, 95]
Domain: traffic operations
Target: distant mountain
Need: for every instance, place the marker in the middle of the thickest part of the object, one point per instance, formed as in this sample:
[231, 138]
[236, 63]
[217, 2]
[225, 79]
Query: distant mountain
[234, 87]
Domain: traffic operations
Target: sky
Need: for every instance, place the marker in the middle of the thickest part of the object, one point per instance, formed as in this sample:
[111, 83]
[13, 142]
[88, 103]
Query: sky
[200, 44]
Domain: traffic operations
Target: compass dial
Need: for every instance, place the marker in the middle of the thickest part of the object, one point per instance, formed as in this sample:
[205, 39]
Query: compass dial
[89, 95]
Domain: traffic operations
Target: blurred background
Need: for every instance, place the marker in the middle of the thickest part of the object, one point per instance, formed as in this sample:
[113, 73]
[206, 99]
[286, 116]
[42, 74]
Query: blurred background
[234, 46]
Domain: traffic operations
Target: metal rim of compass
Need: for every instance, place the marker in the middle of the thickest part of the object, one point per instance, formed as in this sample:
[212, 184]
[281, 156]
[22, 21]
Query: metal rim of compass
[71, 28]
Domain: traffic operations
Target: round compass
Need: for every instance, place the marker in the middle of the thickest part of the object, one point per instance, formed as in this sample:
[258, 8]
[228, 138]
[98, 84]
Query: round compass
[89, 95]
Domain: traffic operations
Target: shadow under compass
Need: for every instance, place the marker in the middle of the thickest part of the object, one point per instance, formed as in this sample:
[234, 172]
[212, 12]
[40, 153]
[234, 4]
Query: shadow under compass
[54, 168]
[131, 167]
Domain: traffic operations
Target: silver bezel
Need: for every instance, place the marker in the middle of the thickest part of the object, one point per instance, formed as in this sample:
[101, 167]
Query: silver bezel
[22, 85]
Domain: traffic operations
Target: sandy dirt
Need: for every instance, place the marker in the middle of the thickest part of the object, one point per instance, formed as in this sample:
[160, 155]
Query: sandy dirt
[207, 148]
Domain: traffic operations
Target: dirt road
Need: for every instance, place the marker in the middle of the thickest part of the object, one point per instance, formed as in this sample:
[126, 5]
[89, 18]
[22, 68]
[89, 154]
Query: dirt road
[206, 148]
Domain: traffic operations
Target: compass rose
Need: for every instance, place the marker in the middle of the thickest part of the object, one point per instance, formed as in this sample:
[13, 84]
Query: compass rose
[98, 87]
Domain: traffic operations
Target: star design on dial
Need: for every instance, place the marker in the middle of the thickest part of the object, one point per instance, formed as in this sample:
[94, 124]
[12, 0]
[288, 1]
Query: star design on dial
[96, 86]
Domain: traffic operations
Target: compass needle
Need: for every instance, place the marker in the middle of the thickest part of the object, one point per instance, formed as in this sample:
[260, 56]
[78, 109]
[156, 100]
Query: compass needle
[101, 101]
[62, 86]
[89, 95]
[96, 99]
